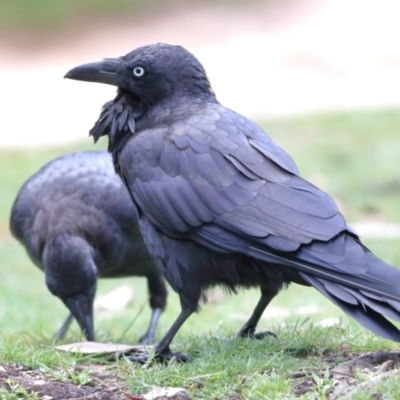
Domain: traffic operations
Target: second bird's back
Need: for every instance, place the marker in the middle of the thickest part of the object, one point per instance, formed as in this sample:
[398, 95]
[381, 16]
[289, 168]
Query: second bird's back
[80, 194]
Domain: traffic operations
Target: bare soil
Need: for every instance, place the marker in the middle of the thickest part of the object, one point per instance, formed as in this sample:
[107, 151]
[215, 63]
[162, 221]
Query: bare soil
[104, 384]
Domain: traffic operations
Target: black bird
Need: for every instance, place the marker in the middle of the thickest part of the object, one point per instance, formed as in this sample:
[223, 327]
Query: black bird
[220, 203]
[77, 223]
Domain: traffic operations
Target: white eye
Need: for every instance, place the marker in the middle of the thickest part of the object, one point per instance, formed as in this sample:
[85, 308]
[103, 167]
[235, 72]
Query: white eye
[138, 72]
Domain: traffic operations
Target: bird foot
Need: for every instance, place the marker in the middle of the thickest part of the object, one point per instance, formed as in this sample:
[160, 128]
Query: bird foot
[168, 355]
[142, 359]
[163, 357]
[258, 336]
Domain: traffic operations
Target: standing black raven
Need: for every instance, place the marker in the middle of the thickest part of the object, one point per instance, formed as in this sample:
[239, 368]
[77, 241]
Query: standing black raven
[77, 222]
[220, 203]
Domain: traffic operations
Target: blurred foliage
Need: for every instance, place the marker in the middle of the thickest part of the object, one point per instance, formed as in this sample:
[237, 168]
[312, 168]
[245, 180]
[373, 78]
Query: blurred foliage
[353, 155]
[42, 15]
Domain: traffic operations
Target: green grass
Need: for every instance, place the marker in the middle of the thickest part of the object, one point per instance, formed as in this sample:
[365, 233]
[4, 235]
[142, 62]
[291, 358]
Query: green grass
[49, 14]
[226, 368]
[354, 156]
[44, 15]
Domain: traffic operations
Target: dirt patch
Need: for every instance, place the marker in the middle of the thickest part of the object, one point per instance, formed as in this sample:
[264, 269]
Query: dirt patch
[97, 383]
[341, 381]
[94, 382]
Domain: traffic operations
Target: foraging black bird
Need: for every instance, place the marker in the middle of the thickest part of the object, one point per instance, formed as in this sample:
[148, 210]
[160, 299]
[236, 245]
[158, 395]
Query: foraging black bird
[77, 222]
[220, 203]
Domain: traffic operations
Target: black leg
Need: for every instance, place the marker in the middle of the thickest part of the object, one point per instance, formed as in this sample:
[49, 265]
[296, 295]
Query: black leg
[63, 330]
[163, 351]
[148, 337]
[158, 299]
[249, 328]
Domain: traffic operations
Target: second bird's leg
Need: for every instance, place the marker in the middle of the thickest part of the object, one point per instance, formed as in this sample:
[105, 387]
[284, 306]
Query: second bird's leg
[249, 328]
[158, 300]
[148, 337]
[63, 330]
[163, 351]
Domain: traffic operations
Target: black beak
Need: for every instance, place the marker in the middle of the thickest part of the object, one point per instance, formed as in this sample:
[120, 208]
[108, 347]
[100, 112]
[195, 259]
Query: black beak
[106, 71]
[81, 307]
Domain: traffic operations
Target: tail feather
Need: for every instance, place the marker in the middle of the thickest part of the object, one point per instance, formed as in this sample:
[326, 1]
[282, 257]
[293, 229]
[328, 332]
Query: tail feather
[357, 298]
[367, 297]
[371, 284]
[380, 306]
[394, 304]
[362, 313]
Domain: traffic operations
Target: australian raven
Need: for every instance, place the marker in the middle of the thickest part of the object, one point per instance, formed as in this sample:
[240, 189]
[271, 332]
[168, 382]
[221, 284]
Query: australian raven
[220, 203]
[77, 222]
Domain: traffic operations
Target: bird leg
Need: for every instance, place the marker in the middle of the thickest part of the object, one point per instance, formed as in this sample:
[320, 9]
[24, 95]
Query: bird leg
[63, 330]
[158, 296]
[163, 351]
[249, 328]
[148, 337]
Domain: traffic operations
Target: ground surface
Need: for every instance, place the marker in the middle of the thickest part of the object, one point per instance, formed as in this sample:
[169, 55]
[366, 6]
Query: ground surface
[25, 382]
[307, 374]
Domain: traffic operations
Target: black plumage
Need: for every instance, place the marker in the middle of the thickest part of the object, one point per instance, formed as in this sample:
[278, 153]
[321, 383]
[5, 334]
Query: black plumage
[220, 203]
[77, 223]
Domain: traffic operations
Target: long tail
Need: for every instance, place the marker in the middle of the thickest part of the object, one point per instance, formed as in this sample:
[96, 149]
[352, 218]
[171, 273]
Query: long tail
[350, 276]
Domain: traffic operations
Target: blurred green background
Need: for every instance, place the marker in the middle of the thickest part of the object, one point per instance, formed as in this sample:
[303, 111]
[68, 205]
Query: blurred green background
[48, 15]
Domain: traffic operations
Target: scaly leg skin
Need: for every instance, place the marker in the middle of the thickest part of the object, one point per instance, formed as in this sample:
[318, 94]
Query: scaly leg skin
[163, 351]
[158, 297]
[148, 337]
[249, 328]
[63, 330]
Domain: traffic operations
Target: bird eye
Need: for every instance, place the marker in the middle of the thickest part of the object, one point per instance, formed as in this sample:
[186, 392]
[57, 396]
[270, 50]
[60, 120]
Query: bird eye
[138, 72]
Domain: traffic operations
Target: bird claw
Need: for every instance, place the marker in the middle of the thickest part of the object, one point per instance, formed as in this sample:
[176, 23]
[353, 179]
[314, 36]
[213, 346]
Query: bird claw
[169, 355]
[258, 336]
[263, 335]
[162, 357]
[142, 359]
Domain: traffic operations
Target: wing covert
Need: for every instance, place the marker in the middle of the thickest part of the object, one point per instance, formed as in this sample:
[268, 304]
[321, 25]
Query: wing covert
[229, 172]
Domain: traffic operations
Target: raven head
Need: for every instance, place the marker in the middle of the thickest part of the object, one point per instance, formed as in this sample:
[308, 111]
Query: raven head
[150, 73]
[71, 275]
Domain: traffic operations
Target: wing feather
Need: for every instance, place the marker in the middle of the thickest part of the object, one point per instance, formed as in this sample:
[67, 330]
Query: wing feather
[233, 175]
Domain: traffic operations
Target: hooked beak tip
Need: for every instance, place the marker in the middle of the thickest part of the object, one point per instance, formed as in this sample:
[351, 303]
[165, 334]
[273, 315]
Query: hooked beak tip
[106, 71]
